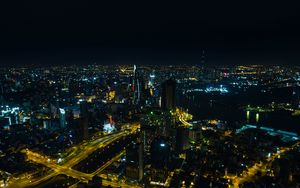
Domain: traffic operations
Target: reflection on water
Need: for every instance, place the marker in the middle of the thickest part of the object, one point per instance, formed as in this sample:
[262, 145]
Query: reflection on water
[203, 107]
[248, 116]
[257, 117]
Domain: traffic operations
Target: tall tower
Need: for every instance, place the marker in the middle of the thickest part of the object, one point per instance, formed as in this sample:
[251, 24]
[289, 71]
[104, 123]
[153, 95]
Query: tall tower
[62, 118]
[136, 86]
[203, 57]
[168, 94]
[151, 79]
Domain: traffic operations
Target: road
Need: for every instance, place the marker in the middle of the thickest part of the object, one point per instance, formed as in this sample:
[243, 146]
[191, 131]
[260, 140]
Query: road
[79, 153]
[183, 117]
[119, 184]
[249, 174]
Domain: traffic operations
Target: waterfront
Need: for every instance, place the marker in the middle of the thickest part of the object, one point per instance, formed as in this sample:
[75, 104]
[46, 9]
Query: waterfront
[226, 108]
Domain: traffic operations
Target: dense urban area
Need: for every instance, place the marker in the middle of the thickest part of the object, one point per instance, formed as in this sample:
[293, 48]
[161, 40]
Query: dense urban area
[150, 126]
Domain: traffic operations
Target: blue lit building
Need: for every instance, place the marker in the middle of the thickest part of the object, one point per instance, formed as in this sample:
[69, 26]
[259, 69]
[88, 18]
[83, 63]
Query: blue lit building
[62, 118]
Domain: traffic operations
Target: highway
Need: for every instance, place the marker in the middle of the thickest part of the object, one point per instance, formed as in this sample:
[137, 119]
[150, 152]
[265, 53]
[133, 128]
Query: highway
[117, 157]
[183, 117]
[79, 153]
[74, 173]
[114, 182]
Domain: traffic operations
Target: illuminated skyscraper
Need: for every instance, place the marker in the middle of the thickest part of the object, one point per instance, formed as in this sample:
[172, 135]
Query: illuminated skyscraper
[152, 93]
[136, 86]
[151, 80]
[62, 118]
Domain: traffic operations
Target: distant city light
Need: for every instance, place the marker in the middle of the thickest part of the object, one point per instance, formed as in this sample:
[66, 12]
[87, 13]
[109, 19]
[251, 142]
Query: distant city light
[210, 89]
[123, 134]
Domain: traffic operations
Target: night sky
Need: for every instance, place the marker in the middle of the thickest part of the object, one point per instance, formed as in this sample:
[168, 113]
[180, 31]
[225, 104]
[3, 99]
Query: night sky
[81, 32]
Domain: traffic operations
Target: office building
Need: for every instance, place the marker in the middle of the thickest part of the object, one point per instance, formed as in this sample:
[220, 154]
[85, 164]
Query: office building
[134, 162]
[168, 95]
[62, 118]
[160, 153]
[182, 139]
[84, 120]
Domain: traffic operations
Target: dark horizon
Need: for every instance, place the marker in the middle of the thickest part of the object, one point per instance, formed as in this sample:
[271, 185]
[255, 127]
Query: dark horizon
[85, 33]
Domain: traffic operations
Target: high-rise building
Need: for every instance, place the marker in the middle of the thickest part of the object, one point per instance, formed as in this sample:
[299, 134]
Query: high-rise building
[70, 118]
[154, 123]
[195, 135]
[84, 119]
[83, 127]
[160, 156]
[160, 153]
[62, 118]
[83, 109]
[136, 86]
[148, 133]
[168, 94]
[151, 79]
[134, 162]
[182, 139]
[152, 94]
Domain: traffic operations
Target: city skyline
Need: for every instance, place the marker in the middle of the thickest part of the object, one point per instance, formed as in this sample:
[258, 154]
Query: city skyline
[141, 95]
[149, 126]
